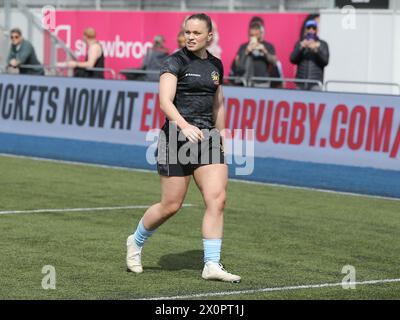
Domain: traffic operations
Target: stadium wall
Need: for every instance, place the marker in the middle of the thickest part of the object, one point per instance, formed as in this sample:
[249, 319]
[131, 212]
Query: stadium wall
[125, 44]
[363, 41]
[364, 46]
[346, 142]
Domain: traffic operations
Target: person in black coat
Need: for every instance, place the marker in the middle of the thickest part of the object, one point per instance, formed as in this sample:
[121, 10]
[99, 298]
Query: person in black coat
[311, 55]
[255, 58]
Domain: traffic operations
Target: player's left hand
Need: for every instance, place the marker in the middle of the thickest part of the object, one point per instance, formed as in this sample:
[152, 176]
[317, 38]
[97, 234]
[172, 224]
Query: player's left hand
[193, 133]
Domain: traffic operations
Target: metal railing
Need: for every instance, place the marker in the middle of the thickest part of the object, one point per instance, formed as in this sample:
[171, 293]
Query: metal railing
[56, 69]
[229, 80]
[136, 72]
[282, 79]
[374, 83]
[30, 66]
[242, 81]
[16, 70]
[232, 80]
[110, 70]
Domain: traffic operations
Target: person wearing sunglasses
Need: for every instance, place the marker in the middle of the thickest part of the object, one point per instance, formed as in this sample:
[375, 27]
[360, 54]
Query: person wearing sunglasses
[22, 53]
[311, 55]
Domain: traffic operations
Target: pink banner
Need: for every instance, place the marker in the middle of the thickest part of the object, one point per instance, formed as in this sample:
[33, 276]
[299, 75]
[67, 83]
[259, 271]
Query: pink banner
[126, 36]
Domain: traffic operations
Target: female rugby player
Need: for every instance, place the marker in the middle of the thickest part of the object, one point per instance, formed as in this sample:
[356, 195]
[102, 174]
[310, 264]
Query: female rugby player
[192, 100]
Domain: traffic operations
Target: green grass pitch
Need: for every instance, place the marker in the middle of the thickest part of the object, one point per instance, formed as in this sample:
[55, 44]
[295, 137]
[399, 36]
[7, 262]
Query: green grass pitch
[274, 237]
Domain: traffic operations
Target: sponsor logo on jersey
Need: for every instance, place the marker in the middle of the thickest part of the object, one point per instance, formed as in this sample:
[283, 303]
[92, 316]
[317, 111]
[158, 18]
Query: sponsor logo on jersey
[215, 77]
[192, 75]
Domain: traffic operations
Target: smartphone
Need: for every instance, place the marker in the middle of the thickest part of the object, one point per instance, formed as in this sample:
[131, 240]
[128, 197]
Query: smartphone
[253, 40]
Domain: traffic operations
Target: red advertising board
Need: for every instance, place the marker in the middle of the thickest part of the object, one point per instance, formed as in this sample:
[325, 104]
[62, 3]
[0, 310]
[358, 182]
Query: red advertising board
[126, 35]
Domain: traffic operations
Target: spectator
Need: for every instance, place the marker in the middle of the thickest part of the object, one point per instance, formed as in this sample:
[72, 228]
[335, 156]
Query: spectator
[94, 57]
[312, 16]
[275, 71]
[22, 53]
[181, 40]
[256, 57]
[154, 58]
[257, 19]
[311, 55]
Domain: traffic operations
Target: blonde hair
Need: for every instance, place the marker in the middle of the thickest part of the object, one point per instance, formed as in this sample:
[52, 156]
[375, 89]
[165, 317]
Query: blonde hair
[90, 33]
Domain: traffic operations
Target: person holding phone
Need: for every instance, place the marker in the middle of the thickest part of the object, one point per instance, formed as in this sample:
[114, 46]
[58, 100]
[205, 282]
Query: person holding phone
[311, 55]
[256, 58]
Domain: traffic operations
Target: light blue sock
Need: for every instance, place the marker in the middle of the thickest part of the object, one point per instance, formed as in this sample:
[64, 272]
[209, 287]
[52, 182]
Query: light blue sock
[212, 250]
[142, 234]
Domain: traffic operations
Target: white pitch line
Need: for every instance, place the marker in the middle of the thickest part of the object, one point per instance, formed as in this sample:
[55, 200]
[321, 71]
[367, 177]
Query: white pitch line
[311, 286]
[344, 193]
[83, 209]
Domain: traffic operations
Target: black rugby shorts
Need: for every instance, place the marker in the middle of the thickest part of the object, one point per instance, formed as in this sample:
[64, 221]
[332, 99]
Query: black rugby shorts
[181, 158]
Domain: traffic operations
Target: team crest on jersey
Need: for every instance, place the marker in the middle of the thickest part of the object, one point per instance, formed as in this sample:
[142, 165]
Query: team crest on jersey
[215, 77]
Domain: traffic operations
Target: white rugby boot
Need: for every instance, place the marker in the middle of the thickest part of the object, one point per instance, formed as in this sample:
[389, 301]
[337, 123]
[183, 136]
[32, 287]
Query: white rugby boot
[133, 256]
[215, 271]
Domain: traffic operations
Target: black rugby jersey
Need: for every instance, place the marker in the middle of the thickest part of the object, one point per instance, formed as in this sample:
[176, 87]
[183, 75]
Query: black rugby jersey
[198, 80]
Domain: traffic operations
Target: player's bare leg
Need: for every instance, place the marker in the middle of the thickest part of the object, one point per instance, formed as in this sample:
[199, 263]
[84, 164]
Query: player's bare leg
[212, 182]
[173, 191]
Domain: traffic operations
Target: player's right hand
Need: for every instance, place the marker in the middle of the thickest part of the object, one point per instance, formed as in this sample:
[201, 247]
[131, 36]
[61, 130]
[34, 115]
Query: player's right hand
[193, 133]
